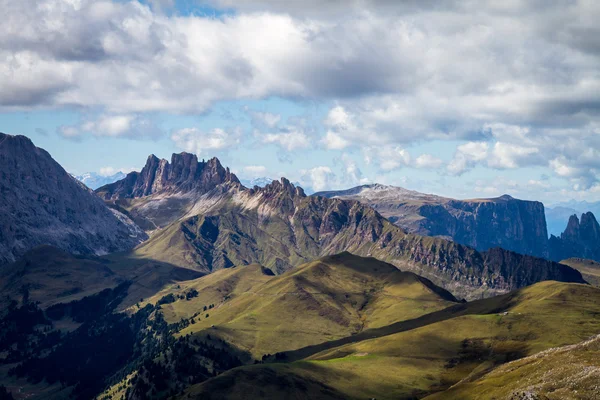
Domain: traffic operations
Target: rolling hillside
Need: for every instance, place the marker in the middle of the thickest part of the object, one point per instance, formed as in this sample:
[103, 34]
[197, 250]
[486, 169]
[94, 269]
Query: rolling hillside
[327, 299]
[428, 354]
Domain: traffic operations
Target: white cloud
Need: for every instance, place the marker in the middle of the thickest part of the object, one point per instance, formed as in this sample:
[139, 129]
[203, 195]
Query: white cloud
[318, 178]
[255, 171]
[289, 140]
[521, 76]
[333, 141]
[69, 132]
[388, 158]
[428, 161]
[466, 156]
[199, 142]
[506, 155]
[128, 126]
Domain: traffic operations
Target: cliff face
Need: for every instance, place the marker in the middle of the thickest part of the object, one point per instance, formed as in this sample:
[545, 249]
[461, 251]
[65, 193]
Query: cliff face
[40, 203]
[580, 239]
[505, 222]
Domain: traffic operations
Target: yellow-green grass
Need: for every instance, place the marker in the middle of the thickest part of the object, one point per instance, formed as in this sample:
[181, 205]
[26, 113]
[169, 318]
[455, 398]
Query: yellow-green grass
[464, 344]
[590, 269]
[564, 373]
[324, 300]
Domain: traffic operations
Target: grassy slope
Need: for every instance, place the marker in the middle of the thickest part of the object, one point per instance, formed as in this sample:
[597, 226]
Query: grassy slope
[328, 299]
[590, 269]
[436, 355]
[569, 372]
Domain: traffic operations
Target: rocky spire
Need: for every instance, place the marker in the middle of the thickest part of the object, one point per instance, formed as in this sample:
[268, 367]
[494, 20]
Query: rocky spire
[183, 174]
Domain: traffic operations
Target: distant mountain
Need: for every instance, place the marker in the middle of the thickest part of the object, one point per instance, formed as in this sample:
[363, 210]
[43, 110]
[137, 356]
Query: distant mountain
[40, 203]
[208, 221]
[580, 239]
[512, 224]
[557, 218]
[262, 182]
[557, 215]
[580, 206]
[94, 180]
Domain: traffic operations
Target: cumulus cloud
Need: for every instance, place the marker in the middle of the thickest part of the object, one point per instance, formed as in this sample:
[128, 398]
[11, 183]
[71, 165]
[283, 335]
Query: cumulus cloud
[333, 141]
[193, 140]
[287, 138]
[124, 126]
[520, 76]
[466, 157]
[255, 171]
[318, 178]
[388, 158]
[428, 161]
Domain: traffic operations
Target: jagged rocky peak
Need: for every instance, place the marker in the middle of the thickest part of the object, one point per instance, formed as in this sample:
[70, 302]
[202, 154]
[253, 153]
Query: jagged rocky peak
[282, 186]
[183, 174]
[589, 228]
[581, 238]
[572, 230]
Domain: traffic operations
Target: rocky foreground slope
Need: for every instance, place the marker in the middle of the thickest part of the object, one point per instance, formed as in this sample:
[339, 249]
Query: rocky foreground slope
[209, 221]
[40, 203]
[506, 222]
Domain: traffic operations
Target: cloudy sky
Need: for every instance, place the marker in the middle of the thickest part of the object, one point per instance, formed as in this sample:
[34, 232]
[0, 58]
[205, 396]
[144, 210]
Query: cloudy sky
[459, 98]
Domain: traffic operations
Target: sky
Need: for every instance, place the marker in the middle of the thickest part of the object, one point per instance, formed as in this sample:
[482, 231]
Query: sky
[458, 98]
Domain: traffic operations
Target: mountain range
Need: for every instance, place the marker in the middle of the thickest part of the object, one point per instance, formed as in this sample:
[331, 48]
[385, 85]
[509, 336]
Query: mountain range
[94, 180]
[206, 220]
[178, 281]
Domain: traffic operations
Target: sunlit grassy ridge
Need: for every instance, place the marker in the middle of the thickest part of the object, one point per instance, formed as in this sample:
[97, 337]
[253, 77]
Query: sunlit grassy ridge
[327, 299]
[468, 342]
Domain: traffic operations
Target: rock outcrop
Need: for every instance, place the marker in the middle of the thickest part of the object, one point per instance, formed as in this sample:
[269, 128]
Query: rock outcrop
[40, 203]
[580, 239]
[512, 224]
[183, 174]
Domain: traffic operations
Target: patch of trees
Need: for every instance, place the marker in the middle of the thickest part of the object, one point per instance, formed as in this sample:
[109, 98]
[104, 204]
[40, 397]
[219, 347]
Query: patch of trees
[90, 307]
[109, 346]
[168, 299]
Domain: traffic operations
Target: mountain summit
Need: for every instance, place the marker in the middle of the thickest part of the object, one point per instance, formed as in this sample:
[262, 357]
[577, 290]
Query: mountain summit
[183, 174]
[40, 203]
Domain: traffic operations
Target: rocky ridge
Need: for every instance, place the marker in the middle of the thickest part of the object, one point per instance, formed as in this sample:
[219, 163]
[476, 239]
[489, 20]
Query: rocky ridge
[505, 222]
[40, 203]
[280, 227]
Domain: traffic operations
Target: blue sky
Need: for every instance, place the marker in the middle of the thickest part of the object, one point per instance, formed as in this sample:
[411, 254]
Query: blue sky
[465, 100]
